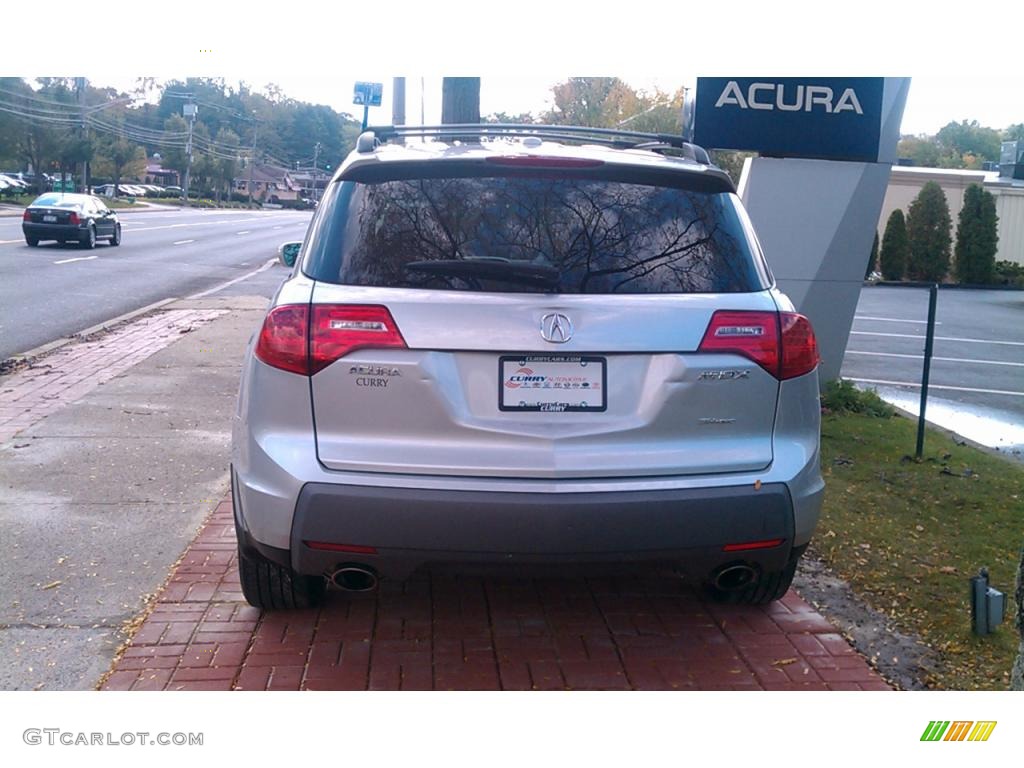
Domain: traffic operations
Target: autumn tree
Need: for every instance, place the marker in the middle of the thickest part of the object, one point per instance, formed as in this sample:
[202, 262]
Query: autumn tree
[928, 229]
[895, 247]
[120, 158]
[976, 237]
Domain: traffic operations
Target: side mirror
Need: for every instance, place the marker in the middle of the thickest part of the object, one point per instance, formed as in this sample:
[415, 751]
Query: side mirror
[288, 252]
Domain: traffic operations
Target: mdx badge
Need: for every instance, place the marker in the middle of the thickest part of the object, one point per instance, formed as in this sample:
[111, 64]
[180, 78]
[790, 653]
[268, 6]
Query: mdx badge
[556, 328]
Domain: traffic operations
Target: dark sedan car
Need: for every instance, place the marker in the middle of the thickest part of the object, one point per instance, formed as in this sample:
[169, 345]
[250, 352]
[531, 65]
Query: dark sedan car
[67, 217]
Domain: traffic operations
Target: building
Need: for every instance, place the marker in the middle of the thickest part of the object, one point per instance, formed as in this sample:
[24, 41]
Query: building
[905, 183]
[157, 174]
[270, 184]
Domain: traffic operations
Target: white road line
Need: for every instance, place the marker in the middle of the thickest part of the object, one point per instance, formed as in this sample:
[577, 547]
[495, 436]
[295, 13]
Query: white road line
[222, 286]
[77, 258]
[243, 232]
[277, 227]
[21, 240]
[183, 242]
[946, 359]
[892, 320]
[937, 338]
[939, 386]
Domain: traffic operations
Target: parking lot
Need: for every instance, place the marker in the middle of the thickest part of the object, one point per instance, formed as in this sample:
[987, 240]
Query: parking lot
[977, 374]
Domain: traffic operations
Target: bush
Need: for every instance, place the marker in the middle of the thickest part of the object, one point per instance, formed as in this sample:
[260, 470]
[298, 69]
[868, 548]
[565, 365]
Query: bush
[977, 237]
[1009, 273]
[928, 229]
[895, 247]
[841, 396]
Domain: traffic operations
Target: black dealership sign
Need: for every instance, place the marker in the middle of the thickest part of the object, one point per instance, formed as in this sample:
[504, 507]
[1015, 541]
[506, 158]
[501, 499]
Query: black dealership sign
[830, 118]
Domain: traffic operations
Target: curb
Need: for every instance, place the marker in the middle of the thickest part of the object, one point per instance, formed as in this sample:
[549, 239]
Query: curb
[98, 328]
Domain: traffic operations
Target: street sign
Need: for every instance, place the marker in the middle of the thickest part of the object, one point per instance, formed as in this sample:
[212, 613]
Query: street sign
[368, 94]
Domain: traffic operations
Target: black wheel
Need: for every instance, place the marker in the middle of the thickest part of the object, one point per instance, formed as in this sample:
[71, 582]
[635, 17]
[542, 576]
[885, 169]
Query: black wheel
[767, 589]
[33, 242]
[272, 587]
[89, 238]
[115, 239]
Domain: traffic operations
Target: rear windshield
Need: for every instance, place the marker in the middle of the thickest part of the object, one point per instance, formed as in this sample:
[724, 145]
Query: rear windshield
[58, 201]
[531, 235]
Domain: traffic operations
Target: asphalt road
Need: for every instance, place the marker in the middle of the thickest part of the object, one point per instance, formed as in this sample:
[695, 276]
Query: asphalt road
[53, 291]
[976, 384]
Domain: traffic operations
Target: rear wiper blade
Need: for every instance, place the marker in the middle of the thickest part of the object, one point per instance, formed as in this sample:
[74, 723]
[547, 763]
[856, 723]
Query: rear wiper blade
[493, 268]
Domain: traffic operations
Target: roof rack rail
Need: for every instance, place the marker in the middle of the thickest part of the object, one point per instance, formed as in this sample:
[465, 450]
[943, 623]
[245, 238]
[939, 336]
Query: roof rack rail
[376, 135]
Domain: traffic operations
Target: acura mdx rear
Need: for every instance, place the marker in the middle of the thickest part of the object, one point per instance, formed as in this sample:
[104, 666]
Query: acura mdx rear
[517, 349]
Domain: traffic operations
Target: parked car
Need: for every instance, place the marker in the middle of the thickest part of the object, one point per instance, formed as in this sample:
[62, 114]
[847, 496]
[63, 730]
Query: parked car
[526, 347]
[67, 217]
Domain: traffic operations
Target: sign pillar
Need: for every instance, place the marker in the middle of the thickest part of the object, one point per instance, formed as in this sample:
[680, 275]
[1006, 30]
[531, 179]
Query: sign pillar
[816, 191]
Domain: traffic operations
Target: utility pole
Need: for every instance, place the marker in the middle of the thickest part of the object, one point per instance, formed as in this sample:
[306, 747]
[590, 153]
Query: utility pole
[398, 104]
[316, 156]
[252, 160]
[83, 166]
[190, 110]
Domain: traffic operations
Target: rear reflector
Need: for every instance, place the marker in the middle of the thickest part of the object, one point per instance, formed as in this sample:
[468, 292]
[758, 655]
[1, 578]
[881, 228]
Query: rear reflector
[782, 343]
[330, 547]
[73, 219]
[537, 161]
[767, 544]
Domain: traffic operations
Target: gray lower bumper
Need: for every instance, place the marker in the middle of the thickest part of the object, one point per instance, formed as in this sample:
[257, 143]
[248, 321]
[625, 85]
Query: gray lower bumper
[411, 527]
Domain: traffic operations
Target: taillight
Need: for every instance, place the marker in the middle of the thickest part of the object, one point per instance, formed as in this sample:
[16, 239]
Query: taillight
[799, 347]
[342, 328]
[782, 343]
[73, 219]
[284, 338]
[26, 216]
[289, 343]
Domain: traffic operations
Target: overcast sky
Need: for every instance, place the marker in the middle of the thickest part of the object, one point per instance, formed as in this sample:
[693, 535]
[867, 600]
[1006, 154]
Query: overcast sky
[963, 65]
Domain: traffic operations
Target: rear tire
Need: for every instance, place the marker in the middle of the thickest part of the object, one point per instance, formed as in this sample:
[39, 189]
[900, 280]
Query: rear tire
[88, 240]
[33, 242]
[273, 587]
[769, 588]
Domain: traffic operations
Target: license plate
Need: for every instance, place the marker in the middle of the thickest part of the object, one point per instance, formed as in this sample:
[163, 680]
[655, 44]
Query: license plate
[49, 219]
[553, 383]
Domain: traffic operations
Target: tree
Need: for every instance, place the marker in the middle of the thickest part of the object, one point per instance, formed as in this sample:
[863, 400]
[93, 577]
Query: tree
[923, 150]
[928, 229]
[895, 247]
[585, 101]
[977, 237]
[460, 100]
[119, 158]
[226, 164]
[873, 258]
[1014, 133]
[969, 139]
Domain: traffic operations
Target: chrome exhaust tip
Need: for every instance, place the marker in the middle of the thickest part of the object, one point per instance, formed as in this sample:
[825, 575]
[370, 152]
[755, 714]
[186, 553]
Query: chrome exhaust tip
[733, 577]
[354, 578]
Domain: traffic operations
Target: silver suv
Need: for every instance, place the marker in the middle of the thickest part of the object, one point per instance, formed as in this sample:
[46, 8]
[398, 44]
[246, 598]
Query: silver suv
[526, 344]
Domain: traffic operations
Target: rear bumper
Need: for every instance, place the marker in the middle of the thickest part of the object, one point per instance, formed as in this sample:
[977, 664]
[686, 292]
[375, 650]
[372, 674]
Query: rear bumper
[52, 231]
[409, 528]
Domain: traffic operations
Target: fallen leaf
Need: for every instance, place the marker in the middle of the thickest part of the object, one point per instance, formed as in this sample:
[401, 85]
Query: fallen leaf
[783, 662]
[53, 584]
[947, 569]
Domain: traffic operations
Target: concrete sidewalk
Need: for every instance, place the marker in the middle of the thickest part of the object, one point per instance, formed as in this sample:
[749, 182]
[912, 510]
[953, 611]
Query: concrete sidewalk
[113, 453]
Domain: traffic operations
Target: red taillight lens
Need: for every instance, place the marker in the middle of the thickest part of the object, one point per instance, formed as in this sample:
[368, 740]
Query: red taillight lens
[782, 343]
[342, 328]
[754, 335]
[747, 546]
[288, 342]
[799, 347]
[284, 338]
[73, 219]
[26, 216]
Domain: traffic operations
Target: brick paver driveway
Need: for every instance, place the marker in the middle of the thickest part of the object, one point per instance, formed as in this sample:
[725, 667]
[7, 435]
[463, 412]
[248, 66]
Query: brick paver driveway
[445, 631]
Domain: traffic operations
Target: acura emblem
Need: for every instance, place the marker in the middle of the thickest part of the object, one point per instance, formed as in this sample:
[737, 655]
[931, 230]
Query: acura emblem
[556, 328]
